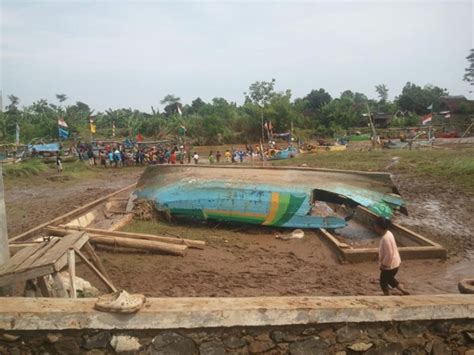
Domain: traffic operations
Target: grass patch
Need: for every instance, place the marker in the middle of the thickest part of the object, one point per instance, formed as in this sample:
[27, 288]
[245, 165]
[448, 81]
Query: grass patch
[453, 166]
[24, 169]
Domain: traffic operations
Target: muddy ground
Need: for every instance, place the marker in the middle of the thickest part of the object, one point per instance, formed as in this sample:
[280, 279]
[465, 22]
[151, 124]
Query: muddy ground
[243, 261]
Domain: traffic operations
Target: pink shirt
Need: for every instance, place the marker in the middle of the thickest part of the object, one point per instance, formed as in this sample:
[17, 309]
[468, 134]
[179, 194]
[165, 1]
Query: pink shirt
[389, 257]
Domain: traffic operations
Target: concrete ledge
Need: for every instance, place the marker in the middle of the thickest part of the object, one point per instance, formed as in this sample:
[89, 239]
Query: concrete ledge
[173, 313]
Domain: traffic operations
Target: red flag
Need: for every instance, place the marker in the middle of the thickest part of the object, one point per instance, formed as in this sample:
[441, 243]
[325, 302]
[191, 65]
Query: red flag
[139, 137]
[427, 118]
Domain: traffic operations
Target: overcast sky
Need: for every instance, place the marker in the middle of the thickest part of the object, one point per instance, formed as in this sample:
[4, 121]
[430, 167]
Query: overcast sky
[113, 54]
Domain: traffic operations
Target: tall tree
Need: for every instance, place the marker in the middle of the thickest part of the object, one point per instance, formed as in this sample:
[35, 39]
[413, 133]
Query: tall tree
[261, 92]
[382, 91]
[317, 99]
[469, 75]
[171, 103]
[61, 97]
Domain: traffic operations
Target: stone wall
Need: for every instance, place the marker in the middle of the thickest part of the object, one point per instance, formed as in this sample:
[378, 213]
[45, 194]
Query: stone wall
[438, 337]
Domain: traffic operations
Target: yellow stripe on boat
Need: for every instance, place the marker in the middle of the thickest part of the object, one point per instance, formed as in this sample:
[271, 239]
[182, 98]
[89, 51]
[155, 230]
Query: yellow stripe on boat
[274, 204]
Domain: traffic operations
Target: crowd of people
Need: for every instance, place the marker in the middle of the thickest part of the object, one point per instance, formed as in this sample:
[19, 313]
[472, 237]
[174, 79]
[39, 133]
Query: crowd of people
[118, 155]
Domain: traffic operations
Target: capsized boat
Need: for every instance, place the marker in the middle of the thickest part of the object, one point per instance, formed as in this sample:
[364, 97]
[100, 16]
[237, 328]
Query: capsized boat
[281, 197]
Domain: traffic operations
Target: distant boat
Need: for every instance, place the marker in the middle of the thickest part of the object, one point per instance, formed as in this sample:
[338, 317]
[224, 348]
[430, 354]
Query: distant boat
[293, 198]
[287, 153]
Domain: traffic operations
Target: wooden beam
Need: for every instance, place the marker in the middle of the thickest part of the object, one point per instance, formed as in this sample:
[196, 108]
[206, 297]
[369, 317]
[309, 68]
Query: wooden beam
[63, 218]
[107, 282]
[166, 248]
[71, 264]
[95, 259]
[63, 230]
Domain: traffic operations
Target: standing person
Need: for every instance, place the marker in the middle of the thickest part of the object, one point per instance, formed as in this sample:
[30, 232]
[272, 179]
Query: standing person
[196, 158]
[90, 157]
[173, 157]
[59, 163]
[211, 158]
[218, 157]
[389, 258]
[227, 156]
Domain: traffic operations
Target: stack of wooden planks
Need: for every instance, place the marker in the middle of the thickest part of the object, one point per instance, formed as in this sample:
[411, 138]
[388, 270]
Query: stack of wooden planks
[40, 260]
[148, 242]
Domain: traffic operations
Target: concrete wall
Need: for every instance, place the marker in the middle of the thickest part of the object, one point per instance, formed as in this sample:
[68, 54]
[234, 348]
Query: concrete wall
[281, 325]
[418, 337]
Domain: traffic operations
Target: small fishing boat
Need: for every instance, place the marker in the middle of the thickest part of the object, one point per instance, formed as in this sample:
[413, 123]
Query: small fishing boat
[287, 153]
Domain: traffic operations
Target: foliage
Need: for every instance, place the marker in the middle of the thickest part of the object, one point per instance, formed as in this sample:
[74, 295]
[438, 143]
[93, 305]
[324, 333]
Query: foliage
[219, 121]
[469, 75]
[24, 169]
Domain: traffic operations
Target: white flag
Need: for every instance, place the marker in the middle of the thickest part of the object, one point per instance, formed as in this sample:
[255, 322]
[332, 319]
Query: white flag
[61, 122]
[179, 109]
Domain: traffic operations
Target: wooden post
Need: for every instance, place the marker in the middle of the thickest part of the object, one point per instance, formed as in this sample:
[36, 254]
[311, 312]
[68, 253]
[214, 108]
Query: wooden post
[4, 252]
[71, 263]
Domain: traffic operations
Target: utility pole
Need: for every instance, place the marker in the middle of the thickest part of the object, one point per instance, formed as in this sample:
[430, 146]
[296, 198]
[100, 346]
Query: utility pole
[4, 251]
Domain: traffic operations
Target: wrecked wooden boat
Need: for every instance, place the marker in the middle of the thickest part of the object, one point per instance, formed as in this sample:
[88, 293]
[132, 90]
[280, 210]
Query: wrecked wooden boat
[280, 197]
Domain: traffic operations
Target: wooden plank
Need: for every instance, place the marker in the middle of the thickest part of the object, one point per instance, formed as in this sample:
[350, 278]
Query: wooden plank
[198, 244]
[62, 261]
[107, 282]
[58, 251]
[71, 264]
[27, 264]
[58, 285]
[64, 217]
[19, 258]
[43, 286]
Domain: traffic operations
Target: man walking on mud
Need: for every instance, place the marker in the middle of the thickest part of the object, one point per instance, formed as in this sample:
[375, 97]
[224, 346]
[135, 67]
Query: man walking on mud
[389, 258]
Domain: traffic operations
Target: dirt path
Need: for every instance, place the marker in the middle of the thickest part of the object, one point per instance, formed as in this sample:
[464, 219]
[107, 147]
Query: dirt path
[35, 200]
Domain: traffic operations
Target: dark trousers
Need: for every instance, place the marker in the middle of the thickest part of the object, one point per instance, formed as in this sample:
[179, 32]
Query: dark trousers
[387, 278]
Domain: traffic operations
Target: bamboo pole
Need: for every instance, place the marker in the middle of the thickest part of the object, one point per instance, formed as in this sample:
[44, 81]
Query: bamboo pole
[141, 244]
[64, 230]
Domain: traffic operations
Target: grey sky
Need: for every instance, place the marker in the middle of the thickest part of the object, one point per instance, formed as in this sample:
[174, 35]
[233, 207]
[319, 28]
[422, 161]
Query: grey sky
[131, 54]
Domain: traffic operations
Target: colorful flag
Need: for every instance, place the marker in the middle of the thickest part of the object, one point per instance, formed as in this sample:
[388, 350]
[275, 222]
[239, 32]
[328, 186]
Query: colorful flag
[17, 134]
[139, 137]
[430, 107]
[61, 122]
[427, 118]
[93, 127]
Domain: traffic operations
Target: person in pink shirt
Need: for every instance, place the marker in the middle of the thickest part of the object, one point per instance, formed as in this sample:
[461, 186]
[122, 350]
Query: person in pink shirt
[389, 258]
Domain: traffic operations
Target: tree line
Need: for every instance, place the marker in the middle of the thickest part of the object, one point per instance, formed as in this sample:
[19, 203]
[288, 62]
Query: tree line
[220, 121]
